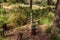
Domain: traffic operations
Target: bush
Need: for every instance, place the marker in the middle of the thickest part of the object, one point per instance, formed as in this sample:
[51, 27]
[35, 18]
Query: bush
[1, 1]
[55, 37]
[2, 20]
[48, 30]
[21, 15]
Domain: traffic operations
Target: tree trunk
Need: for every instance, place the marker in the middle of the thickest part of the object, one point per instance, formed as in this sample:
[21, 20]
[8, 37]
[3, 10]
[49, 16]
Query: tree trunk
[31, 4]
[0, 5]
[49, 2]
[56, 18]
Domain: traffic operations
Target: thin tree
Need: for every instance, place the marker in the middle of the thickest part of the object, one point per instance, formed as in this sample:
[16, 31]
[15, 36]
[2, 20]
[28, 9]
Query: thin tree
[33, 31]
[31, 4]
[56, 18]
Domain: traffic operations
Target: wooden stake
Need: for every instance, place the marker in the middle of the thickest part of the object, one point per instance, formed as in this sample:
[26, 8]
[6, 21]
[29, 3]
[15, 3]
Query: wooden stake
[20, 35]
[33, 32]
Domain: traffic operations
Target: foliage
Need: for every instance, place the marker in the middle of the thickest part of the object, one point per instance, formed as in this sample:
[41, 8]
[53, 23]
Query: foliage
[59, 25]
[2, 17]
[55, 37]
[48, 30]
[1, 1]
[19, 16]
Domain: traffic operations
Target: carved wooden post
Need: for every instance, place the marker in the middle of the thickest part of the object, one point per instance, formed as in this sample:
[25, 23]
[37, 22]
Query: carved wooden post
[33, 31]
[20, 35]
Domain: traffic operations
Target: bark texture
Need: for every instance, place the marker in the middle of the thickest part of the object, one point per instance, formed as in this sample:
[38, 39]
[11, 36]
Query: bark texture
[56, 18]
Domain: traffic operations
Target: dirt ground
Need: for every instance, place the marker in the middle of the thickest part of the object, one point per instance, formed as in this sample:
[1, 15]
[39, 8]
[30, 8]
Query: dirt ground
[26, 30]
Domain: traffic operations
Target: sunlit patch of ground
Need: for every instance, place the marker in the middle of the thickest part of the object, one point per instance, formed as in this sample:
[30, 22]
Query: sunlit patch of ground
[23, 5]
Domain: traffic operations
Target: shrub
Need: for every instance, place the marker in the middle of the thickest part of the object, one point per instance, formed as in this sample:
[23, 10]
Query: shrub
[55, 37]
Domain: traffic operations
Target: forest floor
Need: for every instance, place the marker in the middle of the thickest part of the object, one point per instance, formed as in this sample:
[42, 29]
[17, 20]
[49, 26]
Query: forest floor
[26, 30]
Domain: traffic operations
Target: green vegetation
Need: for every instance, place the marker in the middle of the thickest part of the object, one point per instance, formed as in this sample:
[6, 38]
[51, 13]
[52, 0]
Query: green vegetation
[55, 37]
[20, 15]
